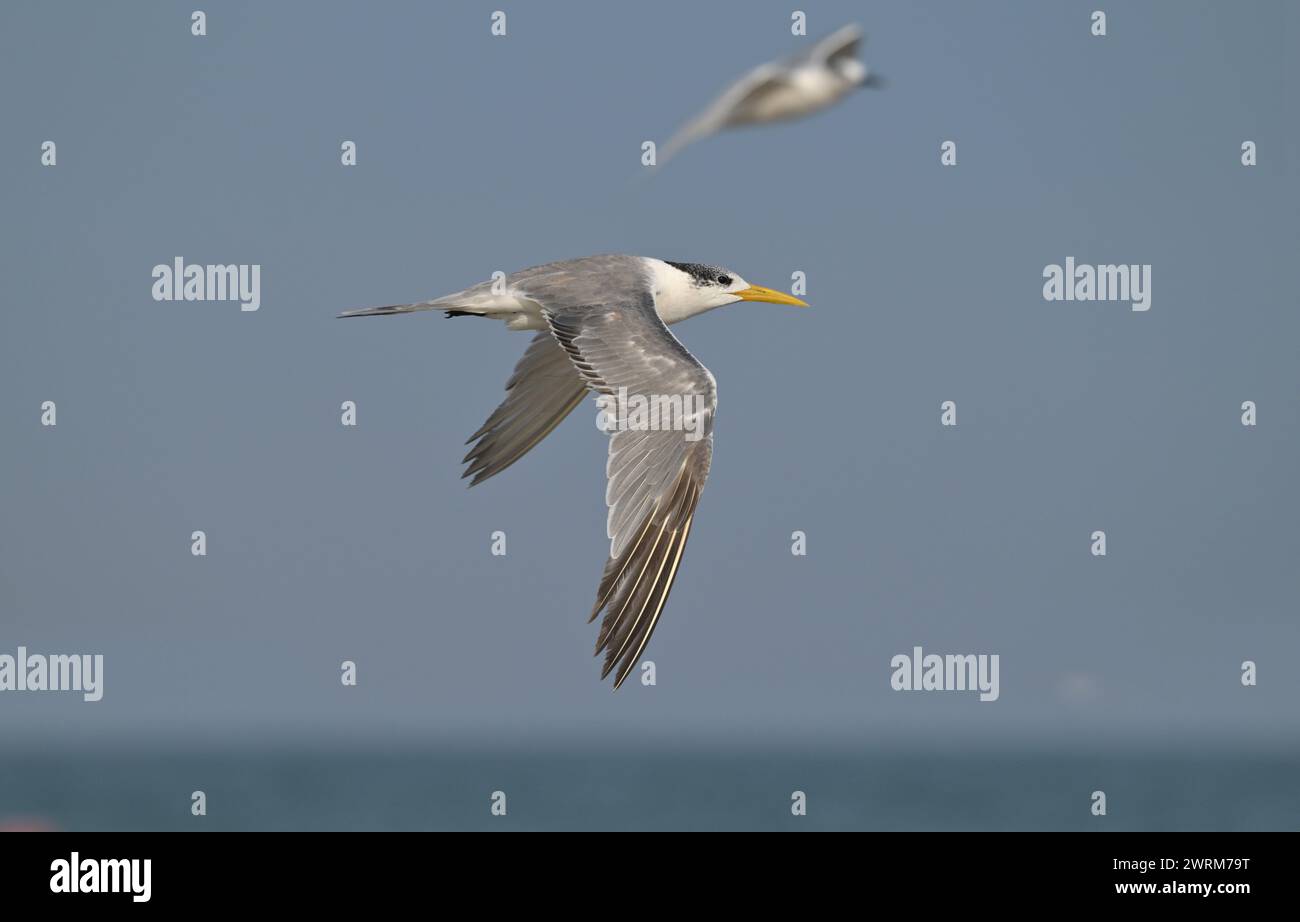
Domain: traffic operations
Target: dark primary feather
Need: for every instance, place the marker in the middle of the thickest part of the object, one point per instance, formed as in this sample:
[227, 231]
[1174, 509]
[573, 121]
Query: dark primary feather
[634, 586]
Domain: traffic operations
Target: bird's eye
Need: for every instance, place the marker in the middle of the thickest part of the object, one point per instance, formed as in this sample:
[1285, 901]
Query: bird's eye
[724, 280]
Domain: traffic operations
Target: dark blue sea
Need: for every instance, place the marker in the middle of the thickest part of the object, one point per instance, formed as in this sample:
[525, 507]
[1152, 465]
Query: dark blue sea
[342, 788]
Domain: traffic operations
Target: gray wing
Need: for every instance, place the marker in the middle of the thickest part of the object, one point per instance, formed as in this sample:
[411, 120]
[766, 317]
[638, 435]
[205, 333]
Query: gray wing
[732, 107]
[542, 391]
[654, 476]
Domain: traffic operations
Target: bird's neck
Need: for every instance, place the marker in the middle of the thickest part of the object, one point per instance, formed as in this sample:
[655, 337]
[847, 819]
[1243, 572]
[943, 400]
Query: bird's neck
[677, 294]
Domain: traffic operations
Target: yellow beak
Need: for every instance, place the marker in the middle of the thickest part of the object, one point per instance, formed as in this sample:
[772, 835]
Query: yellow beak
[758, 293]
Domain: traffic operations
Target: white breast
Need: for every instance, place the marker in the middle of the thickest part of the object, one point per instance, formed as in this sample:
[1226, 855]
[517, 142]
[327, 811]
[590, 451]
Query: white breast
[809, 89]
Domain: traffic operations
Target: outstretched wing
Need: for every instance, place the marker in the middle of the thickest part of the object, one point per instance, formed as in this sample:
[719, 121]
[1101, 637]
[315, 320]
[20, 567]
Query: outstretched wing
[730, 108]
[654, 475]
[542, 391]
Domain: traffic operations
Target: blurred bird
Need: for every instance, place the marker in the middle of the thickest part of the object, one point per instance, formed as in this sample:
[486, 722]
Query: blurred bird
[602, 327]
[780, 90]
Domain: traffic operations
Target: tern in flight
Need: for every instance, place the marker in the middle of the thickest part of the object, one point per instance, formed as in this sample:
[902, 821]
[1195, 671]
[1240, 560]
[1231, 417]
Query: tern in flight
[780, 90]
[602, 325]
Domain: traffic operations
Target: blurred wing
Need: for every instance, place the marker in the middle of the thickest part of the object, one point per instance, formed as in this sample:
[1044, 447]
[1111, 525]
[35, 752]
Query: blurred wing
[654, 476]
[542, 391]
[728, 109]
[843, 43]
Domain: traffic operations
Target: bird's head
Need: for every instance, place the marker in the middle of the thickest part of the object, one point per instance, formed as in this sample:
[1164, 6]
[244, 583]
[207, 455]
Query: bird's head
[853, 71]
[685, 289]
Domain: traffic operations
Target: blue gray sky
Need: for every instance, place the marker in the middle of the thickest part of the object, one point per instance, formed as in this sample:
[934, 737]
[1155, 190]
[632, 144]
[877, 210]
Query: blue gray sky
[478, 153]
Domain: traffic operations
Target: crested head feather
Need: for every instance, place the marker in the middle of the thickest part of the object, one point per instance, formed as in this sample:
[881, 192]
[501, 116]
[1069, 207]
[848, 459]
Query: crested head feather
[703, 275]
